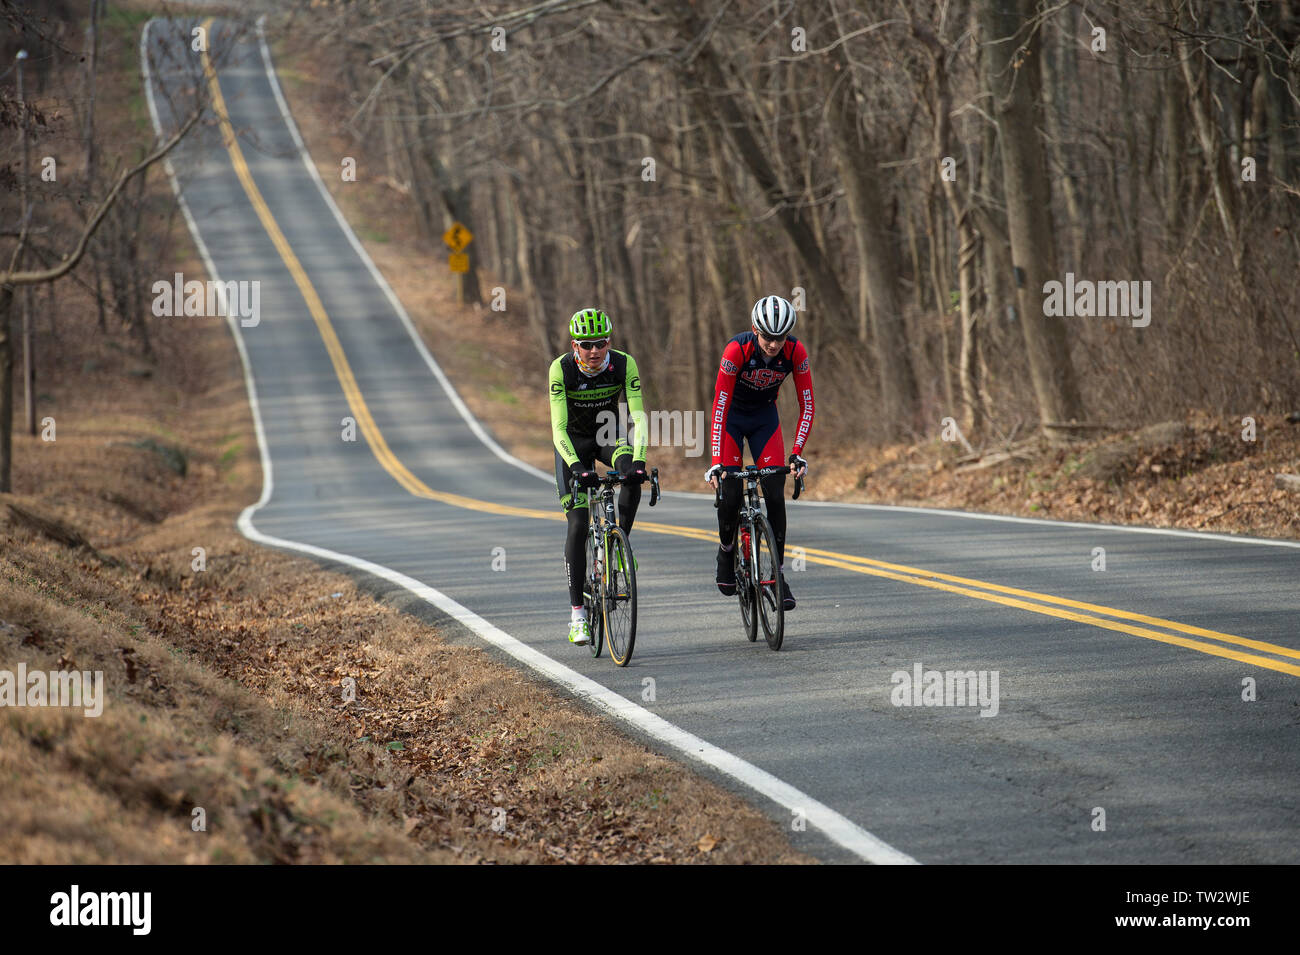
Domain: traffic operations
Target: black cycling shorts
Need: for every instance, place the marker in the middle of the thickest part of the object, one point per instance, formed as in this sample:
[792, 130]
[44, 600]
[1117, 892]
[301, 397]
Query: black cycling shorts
[589, 452]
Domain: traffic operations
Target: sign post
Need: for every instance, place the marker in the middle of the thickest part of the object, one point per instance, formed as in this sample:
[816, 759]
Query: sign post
[457, 238]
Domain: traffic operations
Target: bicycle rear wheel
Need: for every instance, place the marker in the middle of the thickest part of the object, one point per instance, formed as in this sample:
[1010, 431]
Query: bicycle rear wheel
[620, 597]
[771, 605]
[743, 557]
[591, 598]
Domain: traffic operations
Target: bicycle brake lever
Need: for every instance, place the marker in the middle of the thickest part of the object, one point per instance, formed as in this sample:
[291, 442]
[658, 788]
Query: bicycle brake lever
[654, 486]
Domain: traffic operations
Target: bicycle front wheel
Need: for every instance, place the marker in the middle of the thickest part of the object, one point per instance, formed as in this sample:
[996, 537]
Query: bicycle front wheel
[744, 559]
[619, 596]
[771, 605]
[591, 598]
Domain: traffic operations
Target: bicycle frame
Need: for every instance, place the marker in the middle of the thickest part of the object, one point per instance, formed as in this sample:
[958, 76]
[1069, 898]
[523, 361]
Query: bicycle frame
[609, 591]
[760, 595]
[601, 510]
[751, 507]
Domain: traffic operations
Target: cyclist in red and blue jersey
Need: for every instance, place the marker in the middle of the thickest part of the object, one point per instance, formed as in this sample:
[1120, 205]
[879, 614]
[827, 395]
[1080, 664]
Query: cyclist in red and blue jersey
[753, 366]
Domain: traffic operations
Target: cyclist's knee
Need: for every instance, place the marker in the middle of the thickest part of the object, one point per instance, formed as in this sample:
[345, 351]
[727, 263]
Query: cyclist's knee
[729, 496]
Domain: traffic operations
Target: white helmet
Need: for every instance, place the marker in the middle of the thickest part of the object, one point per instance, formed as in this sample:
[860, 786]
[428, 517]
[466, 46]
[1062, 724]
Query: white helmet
[773, 316]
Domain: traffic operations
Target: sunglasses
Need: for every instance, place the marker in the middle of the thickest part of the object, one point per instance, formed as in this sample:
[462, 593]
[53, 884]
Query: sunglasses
[768, 338]
[588, 346]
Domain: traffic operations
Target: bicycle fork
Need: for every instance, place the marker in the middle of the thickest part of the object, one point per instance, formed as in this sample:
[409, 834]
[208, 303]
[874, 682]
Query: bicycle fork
[744, 540]
[595, 573]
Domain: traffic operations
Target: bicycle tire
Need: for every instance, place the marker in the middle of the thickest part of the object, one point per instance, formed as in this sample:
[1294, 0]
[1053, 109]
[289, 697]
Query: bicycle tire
[742, 559]
[619, 595]
[767, 572]
[591, 597]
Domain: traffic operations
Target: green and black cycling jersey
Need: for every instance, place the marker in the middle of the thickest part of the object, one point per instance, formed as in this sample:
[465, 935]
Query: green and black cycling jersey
[584, 407]
[585, 429]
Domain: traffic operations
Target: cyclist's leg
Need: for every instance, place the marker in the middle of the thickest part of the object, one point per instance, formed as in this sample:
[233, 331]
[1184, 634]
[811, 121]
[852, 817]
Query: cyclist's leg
[768, 448]
[774, 494]
[729, 497]
[629, 495]
[575, 508]
[730, 492]
[769, 451]
[575, 554]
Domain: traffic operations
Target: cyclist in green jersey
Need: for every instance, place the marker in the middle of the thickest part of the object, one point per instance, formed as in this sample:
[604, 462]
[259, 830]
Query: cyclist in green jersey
[586, 386]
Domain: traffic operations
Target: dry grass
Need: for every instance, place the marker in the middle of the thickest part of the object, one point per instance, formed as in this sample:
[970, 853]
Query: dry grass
[1207, 478]
[123, 787]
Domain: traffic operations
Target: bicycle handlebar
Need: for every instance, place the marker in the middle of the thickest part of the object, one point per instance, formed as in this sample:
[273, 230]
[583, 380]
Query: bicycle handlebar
[754, 472]
[614, 478]
[758, 472]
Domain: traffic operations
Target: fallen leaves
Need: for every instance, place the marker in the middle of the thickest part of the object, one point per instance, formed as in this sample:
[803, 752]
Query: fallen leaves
[1200, 475]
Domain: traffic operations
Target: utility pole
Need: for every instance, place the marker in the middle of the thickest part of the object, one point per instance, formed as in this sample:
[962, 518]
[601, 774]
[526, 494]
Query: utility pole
[28, 370]
[92, 67]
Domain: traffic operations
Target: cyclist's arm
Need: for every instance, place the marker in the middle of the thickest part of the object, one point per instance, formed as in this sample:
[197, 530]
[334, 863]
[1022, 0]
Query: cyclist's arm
[560, 416]
[636, 409]
[723, 393]
[803, 386]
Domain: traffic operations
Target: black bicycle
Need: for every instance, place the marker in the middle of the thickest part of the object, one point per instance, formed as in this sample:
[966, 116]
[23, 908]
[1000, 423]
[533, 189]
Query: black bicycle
[758, 568]
[609, 592]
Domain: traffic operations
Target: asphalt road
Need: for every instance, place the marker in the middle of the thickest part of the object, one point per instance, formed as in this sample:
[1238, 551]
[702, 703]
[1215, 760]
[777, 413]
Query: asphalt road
[1097, 709]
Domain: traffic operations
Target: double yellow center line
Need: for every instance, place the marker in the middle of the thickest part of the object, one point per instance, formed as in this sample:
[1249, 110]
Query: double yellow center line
[1122, 621]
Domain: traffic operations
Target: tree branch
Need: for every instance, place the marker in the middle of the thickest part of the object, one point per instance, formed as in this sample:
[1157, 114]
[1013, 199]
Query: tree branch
[70, 262]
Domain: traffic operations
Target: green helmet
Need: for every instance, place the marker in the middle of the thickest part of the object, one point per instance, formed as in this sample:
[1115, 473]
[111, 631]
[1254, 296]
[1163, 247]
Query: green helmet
[590, 323]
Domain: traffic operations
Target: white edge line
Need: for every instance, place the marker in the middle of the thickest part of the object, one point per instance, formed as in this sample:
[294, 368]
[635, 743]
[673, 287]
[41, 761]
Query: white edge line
[268, 481]
[1082, 525]
[836, 827]
[1011, 519]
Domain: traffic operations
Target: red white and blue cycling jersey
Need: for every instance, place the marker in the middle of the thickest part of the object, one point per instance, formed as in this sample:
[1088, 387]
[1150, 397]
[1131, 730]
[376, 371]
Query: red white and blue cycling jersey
[744, 401]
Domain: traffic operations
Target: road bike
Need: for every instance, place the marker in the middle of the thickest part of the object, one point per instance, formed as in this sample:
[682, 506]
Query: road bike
[758, 568]
[609, 592]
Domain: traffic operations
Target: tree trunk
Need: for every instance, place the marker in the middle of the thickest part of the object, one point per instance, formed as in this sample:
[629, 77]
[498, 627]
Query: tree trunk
[856, 164]
[1059, 78]
[535, 310]
[972, 413]
[705, 75]
[1282, 139]
[422, 191]
[1130, 215]
[6, 389]
[1013, 75]
[1173, 133]
[1216, 161]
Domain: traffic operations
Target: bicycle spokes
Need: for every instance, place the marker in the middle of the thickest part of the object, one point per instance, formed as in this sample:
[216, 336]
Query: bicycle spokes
[620, 597]
[771, 606]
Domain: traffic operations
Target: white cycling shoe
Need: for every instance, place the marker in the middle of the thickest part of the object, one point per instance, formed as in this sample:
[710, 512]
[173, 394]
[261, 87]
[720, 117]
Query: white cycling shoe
[579, 632]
